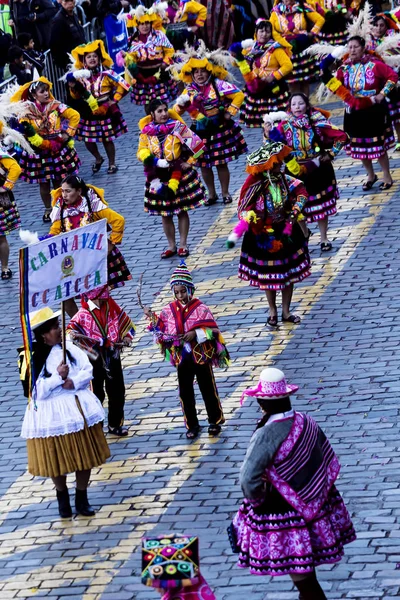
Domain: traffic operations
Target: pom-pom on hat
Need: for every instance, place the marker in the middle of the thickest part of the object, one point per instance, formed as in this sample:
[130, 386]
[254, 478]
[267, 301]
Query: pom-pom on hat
[182, 276]
[153, 15]
[79, 52]
[272, 385]
[263, 159]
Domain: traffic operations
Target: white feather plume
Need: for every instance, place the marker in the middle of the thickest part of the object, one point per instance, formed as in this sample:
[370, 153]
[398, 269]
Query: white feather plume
[389, 44]
[323, 95]
[361, 25]
[17, 138]
[247, 44]
[183, 99]
[220, 58]
[28, 237]
[319, 50]
[275, 117]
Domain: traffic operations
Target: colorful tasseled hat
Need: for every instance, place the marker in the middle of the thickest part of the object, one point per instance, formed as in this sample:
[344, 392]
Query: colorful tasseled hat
[182, 276]
[263, 159]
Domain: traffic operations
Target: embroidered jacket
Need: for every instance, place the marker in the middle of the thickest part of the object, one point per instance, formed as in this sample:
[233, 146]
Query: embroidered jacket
[299, 462]
[47, 119]
[269, 59]
[106, 325]
[9, 171]
[297, 133]
[368, 77]
[154, 51]
[177, 319]
[105, 85]
[65, 218]
[173, 141]
[204, 101]
[270, 201]
[291, 21]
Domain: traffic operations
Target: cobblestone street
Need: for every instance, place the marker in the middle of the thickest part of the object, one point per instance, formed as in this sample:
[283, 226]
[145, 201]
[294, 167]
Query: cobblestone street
[344, 356]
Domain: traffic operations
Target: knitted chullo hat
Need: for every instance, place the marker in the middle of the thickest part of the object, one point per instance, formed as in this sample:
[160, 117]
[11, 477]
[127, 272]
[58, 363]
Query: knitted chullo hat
[182, 276]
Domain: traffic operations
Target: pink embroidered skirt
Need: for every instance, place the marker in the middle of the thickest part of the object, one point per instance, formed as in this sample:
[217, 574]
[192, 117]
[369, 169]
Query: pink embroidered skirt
[274, 539]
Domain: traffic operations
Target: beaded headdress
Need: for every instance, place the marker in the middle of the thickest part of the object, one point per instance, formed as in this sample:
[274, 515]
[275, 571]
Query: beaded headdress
[170, 561]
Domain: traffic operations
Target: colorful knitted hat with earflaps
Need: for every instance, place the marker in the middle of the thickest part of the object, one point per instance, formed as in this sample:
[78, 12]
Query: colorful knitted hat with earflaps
[182, 276]
[271, 153]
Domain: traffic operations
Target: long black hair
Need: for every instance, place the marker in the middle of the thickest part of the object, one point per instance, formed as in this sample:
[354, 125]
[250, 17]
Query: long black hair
[42, 350]
[152, 106]
[76, 183]
[272, 407]
[358, 39]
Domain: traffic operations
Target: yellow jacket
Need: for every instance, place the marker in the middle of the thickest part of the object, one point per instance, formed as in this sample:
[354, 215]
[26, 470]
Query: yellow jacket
[100, 211]
[277, 62]
[103, 88]
[171, 148]
[49, 122]
[192, 7]
[12, 171]
[228, 93]
[280, 22]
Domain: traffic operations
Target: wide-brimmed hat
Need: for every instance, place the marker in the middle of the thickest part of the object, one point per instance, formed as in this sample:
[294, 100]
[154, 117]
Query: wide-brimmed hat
[272, 385]
[79, 52]
[23, 90]
[270, 154]
[41, 316]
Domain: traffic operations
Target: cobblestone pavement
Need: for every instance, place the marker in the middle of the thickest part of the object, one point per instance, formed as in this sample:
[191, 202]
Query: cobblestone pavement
[343, 356]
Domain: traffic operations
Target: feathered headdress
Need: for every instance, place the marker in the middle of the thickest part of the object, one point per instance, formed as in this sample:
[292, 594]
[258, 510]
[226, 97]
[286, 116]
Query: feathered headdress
[217, 62]
[13, 110]
[155, 15]
[79, 52]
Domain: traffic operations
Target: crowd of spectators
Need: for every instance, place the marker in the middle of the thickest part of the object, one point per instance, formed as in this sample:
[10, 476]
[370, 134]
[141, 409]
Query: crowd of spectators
[41, 25]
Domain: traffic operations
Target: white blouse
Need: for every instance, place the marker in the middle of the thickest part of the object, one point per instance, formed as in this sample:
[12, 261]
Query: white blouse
[57, 411]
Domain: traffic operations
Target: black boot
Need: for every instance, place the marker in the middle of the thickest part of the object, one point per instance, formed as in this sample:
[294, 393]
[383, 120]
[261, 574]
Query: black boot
[82, 504]
[64, 507]
[310, 589]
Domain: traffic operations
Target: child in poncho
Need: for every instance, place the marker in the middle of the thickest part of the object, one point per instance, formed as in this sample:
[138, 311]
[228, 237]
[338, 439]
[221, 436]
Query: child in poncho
[189, 337]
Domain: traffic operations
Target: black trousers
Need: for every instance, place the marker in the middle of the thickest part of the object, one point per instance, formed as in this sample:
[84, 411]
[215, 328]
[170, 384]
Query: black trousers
[114, 385]
[187, 371]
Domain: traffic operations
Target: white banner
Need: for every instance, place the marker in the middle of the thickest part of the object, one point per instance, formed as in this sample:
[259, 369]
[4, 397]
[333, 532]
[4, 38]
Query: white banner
[64, 266]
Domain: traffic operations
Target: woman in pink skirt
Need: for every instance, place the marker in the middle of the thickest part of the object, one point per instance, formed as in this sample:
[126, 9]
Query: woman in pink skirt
[293, 518]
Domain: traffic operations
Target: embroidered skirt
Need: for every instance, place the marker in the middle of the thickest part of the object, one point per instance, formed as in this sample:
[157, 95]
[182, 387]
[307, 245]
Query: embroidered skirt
[190, 194]
[334, 29]
[223, 147]
[44, 167]
[305, 68]
[118, 271]
[370, 131]
[323, 193]
[102, 130]
[62, 454]
[9, 215]
[274, 539]
[274, 270]
[143, 93]
[394, 105]
[255, 106]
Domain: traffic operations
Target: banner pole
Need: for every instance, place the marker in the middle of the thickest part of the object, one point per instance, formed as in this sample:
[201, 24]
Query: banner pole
[63, 327]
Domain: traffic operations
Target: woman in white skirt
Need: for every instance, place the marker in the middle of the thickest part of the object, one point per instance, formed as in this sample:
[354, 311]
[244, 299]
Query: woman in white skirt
[63, 424]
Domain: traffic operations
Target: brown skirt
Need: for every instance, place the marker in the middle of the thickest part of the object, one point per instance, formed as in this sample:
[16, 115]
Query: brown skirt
[62, 454]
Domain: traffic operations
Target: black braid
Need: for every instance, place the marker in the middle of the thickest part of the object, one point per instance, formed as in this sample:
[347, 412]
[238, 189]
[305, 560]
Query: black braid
[317, 142]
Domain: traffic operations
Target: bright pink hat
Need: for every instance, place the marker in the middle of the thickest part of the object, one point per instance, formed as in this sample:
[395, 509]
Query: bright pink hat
[272, 385]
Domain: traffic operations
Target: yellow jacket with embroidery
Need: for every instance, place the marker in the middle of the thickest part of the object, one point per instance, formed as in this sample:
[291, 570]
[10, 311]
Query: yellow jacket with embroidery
[277, 62]
[106, 89]
[280, 22]
[100, 211]
[195, 8]
[12, 170]
[61, 112]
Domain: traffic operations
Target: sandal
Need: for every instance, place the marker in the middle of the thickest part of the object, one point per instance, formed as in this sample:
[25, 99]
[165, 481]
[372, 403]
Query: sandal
[192, 434]
[46, 216]
[112, 169]
[295, 319]
[119, 431]
[227, 199]
[211, 201]
[214, 429]
[183, 252]
[97, 166]
[273, 321]
[368, 184]
[326, 246]
[385, 186]
[7, 274]
[168, 253]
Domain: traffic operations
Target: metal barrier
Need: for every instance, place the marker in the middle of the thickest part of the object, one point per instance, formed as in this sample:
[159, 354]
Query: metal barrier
[4, 85]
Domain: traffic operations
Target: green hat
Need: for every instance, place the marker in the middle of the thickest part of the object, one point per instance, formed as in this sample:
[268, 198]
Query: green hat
[263, 159]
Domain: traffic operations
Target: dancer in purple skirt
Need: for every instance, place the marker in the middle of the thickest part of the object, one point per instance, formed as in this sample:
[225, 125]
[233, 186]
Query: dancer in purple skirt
[293, 518]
